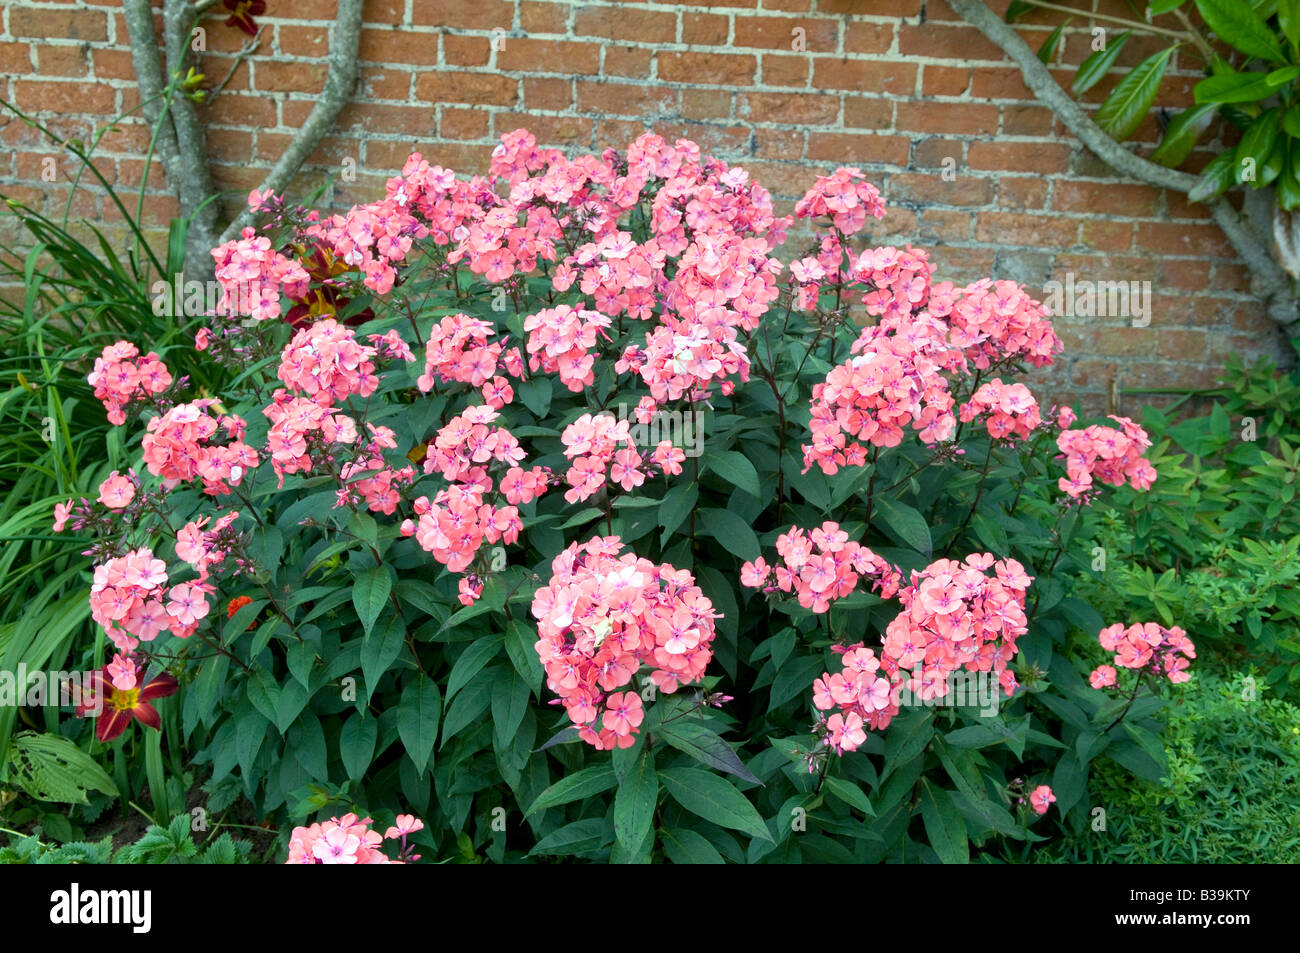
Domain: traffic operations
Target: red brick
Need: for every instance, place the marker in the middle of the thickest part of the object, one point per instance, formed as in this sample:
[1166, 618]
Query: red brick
[718, 69]
[272, 77]
[1183, 239]
[1103, 235]
[384, 119]
[549, 130]
[933, 188]
[937, 41]
[385, 82]
[309, 41]
[240, 110]
[109, 64]
[944, 80]
[398, 46]
[794, 108]
[1024, 120]
[463, 124]
[705, 103]
[857, 149]
[626, 99]
[61, 61]
[960, 119]
[940, 225]
[544, 92]
[462, 14]
[779, 143]
[705, 29]
[1010, 228]
[1111, 198]
[778, 33]
[865, 112]
[476, 88]
[620, 23]
[543, 17]
[627, 61]
[549, 56]
[785, 70]
[1043, 158]
[90, 26]
[1021, 192]
[466, 50]
[865, 76]
[70, 97]
[863, 37]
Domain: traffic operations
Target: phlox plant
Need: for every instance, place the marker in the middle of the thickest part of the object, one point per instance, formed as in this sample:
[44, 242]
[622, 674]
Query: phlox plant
[529, 488]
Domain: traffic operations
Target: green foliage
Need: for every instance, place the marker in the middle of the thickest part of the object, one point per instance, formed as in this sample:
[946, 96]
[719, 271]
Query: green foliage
[173, 844]
[1231, 794]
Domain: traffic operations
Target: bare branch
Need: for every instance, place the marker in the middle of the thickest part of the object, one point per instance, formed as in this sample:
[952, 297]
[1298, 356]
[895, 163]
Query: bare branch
[342, 77]
[1253, 245]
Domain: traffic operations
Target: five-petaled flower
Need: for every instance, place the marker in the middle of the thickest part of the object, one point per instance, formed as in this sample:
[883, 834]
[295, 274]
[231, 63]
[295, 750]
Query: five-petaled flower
[117, 705]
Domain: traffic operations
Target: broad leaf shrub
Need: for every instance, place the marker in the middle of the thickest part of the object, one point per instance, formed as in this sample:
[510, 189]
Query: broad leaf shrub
[1215, 543]
[550, 508]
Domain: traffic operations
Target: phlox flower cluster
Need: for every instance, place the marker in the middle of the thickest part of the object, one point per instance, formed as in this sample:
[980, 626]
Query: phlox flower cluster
[121, 378]
[601, 617]
[252, 275]
[301, 427]
[370, 479]
[327, 363]
[1145, 646]
[350, 840]
[129, 597]
[820, 567]
[846, 197]
[862, 694]
[179, 446]
[994, 322]
[560, 341]
[458, 350]
[371, 238]
[458, 520]
[1010, 410]
[955, 615]
[600, 448]
[899, 279]
[683, 363]
[1106, 454]
[895, 381]
[201, 547]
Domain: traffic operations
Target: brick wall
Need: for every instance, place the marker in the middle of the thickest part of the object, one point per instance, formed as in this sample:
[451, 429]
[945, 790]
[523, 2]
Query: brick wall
[971, 165]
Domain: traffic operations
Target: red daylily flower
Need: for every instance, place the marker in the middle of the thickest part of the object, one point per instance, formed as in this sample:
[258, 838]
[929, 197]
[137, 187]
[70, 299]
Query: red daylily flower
[243, 13]
[116, 707]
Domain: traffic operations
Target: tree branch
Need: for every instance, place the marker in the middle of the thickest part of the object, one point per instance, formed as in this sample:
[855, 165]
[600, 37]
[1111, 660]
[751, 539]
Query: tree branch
[1272, 283]
[342, 77]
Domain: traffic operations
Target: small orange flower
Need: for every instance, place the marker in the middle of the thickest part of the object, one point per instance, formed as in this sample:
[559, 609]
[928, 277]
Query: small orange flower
[236, 604]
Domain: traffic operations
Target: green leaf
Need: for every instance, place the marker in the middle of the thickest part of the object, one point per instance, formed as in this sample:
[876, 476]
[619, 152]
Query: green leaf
[704, 746]
[907, 737]
[471, 662]
[634, 802]
[589, 834]
[1069, 781]
[510, 695]
[536, 395]
[713, 799]
[357, 740]
[1098, 64]
[1131, 99]
[417, 720]
[731, 531]
[677, 504]
[574, 787]
[370, 591]
[1048, 49]
[905, 523]
[53, 768]
[1229, 86]
[1215, 178]
[735, 469]
[944, 825]
[1238, 25]
[685, 846]
[379, 649]
[1181, 136]
[850, 794]
[1256, 144]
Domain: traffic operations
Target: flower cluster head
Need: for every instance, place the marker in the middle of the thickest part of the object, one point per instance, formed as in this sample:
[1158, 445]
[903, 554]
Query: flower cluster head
[201, 547]
[681, 360]
[303, 429]
[1010, 410]
[349, 840]
[370, 479]
[327, 363]
[995, 322]
[457, 522]
[956, 615]
[121, 378]
[846, 197]
[1106, 454]
[468, 443]
[252, 275]
[130, 599]
[820, 567]
[862, 694]
[899, 279]
[371, 239]
[600, 447]
[601, 617]
[458, 350]
[895, 381]
[179, 446]
[560, 341]
[1145, 646]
